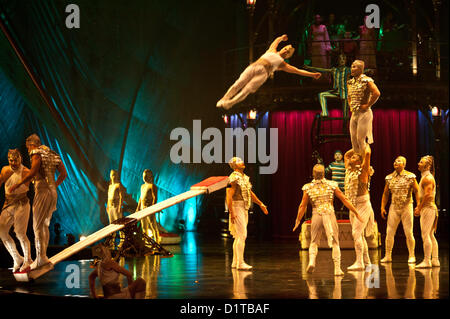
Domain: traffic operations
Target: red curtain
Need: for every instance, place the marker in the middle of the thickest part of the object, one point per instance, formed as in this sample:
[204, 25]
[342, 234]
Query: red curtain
[394, 134]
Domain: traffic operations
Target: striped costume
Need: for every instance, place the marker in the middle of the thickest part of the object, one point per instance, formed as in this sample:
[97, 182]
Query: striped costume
[337, 170]
[340, 76]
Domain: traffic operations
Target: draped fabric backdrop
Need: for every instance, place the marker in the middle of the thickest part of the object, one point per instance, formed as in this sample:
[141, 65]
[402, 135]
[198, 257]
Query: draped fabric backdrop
[146, 63]
[395, 133]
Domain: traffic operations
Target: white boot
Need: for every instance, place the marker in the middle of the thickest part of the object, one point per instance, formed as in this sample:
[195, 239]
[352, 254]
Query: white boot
[244, 266]
[412, 260]
[311, 264]
[337, 268]
[426, 263]
[11, 248]
[435, 262]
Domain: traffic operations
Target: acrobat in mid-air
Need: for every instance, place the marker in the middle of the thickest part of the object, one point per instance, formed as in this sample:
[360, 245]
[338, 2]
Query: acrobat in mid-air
[257, 73]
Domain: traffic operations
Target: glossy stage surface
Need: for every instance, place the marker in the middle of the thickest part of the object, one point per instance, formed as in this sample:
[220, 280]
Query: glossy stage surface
[201, 269]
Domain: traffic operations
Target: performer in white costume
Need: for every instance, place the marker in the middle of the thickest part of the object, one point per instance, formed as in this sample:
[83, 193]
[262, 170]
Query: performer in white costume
[16, 211]
[239, 198]
[44, 164]
[257, 73]
[108, 272]
[320, 193]
[427, 210]
[362, 94]
[115, 201]
[357, 180]
[147, 199]
[401, 184]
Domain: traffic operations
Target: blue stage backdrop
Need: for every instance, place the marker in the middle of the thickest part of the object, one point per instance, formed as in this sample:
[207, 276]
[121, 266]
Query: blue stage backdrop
[119, 84]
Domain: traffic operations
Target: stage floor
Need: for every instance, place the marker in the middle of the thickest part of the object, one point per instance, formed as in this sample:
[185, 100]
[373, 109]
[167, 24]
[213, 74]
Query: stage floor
[201, 269]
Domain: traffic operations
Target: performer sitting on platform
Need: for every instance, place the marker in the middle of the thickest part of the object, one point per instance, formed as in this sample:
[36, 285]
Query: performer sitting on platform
[15, 211]
[115, 200]
[340, 75]
[362, 94]
[108, 272]
[257, 73]
[147, 199]
[401, 184]
[320, 192]
[337, 169]
[357, 183]
[44, 164]
[427, 210]
[239, 197]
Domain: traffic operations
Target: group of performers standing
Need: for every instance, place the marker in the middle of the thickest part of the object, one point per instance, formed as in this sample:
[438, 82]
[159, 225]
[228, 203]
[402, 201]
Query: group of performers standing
[359, 93]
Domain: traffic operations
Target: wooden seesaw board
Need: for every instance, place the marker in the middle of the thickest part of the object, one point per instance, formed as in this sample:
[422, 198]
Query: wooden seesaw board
[206, 186]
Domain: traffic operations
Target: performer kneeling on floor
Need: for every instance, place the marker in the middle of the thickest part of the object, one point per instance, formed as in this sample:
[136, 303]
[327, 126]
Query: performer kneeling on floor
[320, 193]
[357, 181]
[108, 272]
[16, 211]
[238, 198]
[258, 72]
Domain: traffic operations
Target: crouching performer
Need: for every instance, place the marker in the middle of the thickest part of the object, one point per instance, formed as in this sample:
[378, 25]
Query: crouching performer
[108, 272]
[320, 193]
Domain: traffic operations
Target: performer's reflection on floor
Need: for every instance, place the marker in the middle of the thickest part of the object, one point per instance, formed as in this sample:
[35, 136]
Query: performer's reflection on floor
[361, 289]
[150, 272]
[391, 286]
[239, 291]
[310, 279]
[431, 284]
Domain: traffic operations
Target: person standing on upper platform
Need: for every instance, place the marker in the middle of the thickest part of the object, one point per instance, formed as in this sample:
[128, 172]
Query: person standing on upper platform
[362, 94]
[258, 72]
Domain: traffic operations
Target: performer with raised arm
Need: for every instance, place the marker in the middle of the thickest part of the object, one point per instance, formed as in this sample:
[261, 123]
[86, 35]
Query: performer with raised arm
[362, 94]
[44, 164]
[401, 184]
[108, 272]
[340, 75]
[257, 73]
[320, 193]
[357, 181]
[239, 198]
[147, 199]
[427, 210]
[15, 211]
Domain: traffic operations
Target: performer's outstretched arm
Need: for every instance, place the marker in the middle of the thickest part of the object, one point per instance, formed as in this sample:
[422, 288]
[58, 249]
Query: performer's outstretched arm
[301, 209]
[346, 202]
[313, 68]
[292, 69]
[384, 200]
[256, 200]
[273, 47]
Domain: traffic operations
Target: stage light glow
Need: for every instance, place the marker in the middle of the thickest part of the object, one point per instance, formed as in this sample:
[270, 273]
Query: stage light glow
[225, 119]
[435, 111]
[82, 237]
[252, 114]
